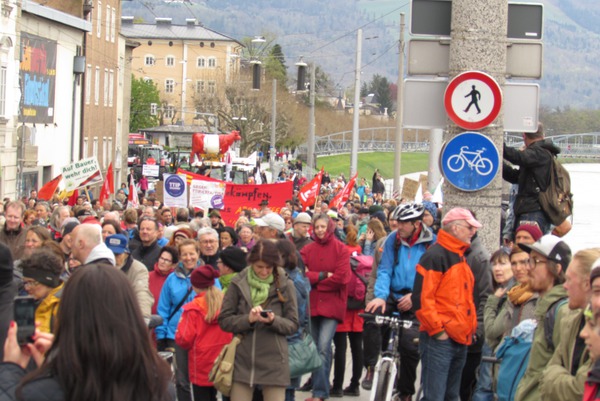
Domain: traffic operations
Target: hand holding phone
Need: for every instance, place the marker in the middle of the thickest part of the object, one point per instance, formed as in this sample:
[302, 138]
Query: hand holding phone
[24, 313]
[265, 313]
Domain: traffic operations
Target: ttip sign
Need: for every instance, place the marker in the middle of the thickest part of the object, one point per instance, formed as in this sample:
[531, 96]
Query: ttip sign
[473, 100]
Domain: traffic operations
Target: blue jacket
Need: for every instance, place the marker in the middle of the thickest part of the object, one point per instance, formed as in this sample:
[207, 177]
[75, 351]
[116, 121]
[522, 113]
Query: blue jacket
[400, 278]
[176, 286]
[302, 286]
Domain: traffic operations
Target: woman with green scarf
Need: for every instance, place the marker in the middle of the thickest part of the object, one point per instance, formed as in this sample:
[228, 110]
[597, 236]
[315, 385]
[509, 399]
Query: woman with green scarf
[260, 305]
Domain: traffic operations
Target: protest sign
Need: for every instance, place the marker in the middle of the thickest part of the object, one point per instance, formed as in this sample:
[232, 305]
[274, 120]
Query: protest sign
[207, 194]
[409, 188]
[82, 173]
[175, 190]
[151, 170]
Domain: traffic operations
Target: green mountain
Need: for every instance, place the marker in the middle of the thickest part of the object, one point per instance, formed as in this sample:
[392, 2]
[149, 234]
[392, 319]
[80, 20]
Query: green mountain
[325, 32]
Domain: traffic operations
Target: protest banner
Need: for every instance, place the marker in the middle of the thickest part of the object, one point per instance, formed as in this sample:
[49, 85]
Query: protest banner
[82, 173]
[409, 189]
[207, 194]
[175, 191]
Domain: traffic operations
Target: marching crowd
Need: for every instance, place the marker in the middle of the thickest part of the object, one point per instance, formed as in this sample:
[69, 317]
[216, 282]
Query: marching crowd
[272, 278]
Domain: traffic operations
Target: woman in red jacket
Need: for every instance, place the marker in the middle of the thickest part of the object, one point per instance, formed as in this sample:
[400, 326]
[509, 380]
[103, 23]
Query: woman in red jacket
[199, 332]
[327, 262]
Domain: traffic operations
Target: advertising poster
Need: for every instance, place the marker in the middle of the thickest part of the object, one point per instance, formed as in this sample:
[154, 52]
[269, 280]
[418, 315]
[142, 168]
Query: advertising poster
[207, 194]
[38, 75]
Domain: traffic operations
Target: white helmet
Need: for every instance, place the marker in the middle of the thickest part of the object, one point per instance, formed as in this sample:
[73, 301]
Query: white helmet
[408, 212]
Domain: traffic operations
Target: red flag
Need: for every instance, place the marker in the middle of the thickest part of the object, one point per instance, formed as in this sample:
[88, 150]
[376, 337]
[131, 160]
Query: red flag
[108, 187]
[343, 195]
[47, 191]
[308, 193]
[73, 198]
[132, 199]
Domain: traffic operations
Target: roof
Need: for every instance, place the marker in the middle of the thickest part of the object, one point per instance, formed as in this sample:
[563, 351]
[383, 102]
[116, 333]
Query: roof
[165, 30]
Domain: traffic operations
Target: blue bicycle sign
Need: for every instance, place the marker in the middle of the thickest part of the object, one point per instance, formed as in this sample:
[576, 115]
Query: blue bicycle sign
[469, 161]
[472, 159]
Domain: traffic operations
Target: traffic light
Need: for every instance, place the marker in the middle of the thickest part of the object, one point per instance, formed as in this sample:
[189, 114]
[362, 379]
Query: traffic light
[256, 75]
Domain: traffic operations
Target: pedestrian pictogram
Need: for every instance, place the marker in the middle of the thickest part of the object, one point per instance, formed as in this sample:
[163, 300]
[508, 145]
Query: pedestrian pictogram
[473, 100]
[470, 161]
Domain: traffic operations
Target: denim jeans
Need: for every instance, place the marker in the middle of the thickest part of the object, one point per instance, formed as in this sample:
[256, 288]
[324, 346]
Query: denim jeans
[539, 217]
[483, 389]
[442, 362]
[322, 330]
[290, 392]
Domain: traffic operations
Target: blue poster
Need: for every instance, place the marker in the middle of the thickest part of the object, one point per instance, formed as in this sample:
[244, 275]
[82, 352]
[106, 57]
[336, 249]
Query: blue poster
[470, 161]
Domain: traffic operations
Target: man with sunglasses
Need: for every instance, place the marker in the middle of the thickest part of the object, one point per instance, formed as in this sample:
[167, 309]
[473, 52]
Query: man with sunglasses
[548, 261]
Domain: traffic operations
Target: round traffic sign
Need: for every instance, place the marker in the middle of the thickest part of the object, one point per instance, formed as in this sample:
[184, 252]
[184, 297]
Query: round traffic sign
[469, 161]
[473, 100]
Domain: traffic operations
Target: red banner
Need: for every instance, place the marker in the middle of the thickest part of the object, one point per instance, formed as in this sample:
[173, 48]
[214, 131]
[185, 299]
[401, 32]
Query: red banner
[239, 197]
[308, 193]
[109, 185]
[47, 191]
[342, 196]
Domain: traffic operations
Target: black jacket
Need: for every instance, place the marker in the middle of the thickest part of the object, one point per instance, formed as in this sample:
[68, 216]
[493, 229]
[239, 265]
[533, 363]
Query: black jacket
[478, 259]
[148, 255]
[42, 389]
[533, 176]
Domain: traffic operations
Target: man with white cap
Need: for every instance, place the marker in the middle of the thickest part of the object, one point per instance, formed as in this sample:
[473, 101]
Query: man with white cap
[443, 301]
[299, 232]
[548, 261]
[271, 225]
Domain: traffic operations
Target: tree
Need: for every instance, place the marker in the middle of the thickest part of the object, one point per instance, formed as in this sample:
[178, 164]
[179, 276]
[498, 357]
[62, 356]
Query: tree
[144, 93]
[380, 87]
[275, 64]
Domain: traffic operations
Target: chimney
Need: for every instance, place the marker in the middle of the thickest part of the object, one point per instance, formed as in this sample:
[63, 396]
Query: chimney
[127, 20]
[190, 22]
[163, 21]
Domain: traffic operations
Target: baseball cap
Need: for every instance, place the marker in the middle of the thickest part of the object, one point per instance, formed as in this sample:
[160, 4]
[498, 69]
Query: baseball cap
[117, 243]
[458, 213]
[214, 213]
[303, 218]
[552, 248]
[69, 227]
[272, 220]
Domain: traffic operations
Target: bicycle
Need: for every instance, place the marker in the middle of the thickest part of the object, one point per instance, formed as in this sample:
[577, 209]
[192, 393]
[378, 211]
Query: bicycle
[482, 165]
[387, 368]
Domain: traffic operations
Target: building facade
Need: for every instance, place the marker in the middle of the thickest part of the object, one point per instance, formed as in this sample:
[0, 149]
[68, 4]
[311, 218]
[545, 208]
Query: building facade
[187, 62]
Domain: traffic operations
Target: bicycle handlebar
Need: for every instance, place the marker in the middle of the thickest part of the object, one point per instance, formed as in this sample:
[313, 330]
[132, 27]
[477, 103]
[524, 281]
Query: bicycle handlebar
[381, 320]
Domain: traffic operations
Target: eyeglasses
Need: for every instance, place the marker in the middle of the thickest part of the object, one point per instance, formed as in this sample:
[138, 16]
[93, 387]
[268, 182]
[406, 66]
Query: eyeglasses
[165, 260]
[31, 283]
[525, 263]
[533, 262]
[208, 242]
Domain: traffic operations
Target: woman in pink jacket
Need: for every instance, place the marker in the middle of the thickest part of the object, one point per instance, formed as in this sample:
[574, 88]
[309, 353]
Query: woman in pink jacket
[199, 332]
[327, 262]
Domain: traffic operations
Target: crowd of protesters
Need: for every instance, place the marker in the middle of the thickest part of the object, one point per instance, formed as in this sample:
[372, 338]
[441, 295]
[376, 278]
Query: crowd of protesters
[278, 272]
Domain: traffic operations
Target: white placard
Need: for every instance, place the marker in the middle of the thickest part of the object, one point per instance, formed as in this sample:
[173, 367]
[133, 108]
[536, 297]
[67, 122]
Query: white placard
[151, 170]
[82, 173]
[207, 194]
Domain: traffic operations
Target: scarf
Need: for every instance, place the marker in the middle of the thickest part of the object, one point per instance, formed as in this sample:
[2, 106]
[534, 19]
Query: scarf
[519, 294]
[226, 280]
[259, 288]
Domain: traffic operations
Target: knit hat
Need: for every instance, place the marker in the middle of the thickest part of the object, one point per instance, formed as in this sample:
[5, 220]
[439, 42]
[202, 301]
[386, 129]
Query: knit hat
[431, 208]
[234, 258]
[204, 276]
[374, 209]
[185, 233]
[214, 213]
[532, 229]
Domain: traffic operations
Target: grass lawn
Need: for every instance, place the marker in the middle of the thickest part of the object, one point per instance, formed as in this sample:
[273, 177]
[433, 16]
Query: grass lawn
[367, 163]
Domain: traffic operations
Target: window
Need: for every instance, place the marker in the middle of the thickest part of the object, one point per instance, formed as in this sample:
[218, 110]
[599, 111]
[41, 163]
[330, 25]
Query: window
[88, 84]
[107, 35]
[3, 71]
[106, 87]
[111, 90]
[104, 152]
[148, 79]
[169, 86]
[170, 61]
[95, 147]
[113, 25]
[153, 109]
[169, 111]
[110, 147]
[99, 20]
[85, 148]
[97, 87]
[149, 60]
[212, 87]
[212, 62]
[201, 62]
[199, 86]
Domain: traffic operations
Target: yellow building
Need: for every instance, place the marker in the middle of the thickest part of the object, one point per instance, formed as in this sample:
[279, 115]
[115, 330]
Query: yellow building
[187, 62]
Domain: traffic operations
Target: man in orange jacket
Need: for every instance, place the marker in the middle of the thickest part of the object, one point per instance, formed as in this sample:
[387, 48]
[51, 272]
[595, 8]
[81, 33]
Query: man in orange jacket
[443, 301]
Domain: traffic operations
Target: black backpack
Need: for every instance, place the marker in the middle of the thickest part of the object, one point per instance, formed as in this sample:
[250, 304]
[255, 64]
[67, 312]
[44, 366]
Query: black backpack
[557, 199]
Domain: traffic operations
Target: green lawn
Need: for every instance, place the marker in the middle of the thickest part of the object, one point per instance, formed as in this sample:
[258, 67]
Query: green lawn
[368, 162]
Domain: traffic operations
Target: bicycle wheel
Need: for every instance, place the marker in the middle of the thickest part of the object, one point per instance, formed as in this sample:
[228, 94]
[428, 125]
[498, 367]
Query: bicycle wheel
[455, 163]
[484, 167]
[383, 382]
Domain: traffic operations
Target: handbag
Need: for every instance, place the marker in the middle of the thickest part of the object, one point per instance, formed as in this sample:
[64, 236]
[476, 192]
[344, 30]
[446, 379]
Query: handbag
[221, 374]
[303, 355]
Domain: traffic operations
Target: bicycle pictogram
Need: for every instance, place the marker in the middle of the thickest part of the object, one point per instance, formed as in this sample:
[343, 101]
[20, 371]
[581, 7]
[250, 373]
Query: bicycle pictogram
[472, 159]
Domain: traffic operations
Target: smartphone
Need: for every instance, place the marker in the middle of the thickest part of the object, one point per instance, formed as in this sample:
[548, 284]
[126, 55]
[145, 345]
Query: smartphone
[265, 313]
[24, 314]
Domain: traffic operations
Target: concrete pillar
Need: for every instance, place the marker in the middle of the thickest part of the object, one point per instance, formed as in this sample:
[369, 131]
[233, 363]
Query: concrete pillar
[479, 44]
